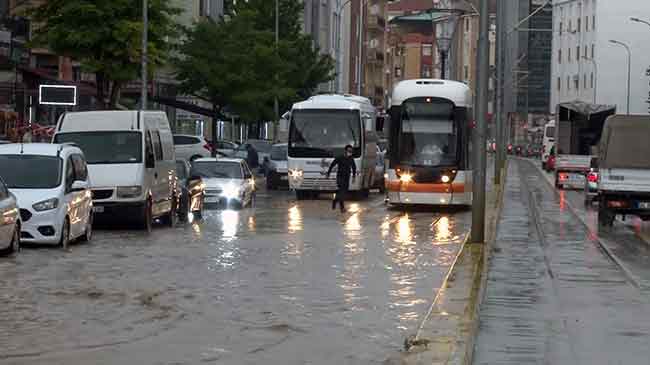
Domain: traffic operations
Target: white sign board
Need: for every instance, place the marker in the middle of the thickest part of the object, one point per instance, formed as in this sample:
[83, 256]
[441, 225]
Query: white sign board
[57, 95]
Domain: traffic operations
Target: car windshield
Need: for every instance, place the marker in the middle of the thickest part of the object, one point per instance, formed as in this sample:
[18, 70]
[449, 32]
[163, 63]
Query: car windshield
[181, 171]
[217, 169]
[106, 147]
[30, 171]
[324, 133]
[279, 153]
[428, 136]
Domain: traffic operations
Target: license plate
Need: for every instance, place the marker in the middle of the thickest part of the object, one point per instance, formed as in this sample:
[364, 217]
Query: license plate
[284, 177]
[644, 205]
[211, 199]
[98, 209]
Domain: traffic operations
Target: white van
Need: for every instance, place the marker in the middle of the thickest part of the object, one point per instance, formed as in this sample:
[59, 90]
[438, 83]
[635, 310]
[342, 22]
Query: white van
[548, 141]
[131, 161]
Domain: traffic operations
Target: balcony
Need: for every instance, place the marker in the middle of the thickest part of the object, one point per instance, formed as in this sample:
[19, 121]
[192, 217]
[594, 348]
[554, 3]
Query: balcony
[376, 22]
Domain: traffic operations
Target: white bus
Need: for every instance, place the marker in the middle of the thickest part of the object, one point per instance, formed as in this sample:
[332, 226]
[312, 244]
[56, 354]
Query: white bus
[319, 130]
[429, 140]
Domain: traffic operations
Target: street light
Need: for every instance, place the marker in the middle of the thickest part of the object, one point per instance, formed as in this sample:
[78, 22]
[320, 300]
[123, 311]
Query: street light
[443, 44]
[637, 20]
[595, 65]
[629, 68]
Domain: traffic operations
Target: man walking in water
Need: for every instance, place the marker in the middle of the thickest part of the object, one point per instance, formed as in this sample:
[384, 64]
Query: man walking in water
[346, 166]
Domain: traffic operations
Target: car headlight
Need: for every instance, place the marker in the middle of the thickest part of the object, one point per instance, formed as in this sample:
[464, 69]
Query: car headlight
[406, 178]
[129, 191]
[296, 174]
[445, 179]
[46, 205]
[230, 191]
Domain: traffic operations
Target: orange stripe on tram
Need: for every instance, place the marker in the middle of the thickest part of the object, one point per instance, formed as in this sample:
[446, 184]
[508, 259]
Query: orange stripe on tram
[425, 188]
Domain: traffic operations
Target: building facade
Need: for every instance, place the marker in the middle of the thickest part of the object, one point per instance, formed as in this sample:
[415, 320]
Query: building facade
[588, 67]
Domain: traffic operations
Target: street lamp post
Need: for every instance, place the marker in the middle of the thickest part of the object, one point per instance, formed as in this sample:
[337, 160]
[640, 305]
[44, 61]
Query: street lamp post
[145, 31]
[276, 102]
[339, 10]
[629, 68]
[637, 20]
[443, 43]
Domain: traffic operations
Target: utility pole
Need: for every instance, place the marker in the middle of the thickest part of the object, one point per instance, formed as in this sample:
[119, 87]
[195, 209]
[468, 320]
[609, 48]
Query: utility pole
[276, 102]
[145, 31]
[360, 46]
[498, 78]
[482, 78]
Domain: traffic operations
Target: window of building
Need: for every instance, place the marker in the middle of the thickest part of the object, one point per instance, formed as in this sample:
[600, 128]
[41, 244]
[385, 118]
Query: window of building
[561, 26]
[592, 80]
[568, 83]
[559, 84]
[584, 81]
[466, 72]
[579, 25]
[578, 53]
[569, 55]
[398, 72]
[570, 28]
[576, 82]
[592, 51]
[559, 56]
[593, 22]
[584, 55]
[427, 50]
[586, 24]
[467, 24]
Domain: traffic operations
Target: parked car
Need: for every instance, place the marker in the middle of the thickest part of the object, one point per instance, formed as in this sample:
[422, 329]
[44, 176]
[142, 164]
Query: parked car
[192, 192]
[189, 147]
[51, 185]
[131, 161]
[262, 147]
[228, 181]
[226, 148]
[10, 225]
[591, 183]
[276, 167]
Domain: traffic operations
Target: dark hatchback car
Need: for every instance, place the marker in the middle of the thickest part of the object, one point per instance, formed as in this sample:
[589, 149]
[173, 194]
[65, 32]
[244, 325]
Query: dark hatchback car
[192, 192]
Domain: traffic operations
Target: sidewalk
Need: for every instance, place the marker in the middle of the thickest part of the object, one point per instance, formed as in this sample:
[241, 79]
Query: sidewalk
[553, 296]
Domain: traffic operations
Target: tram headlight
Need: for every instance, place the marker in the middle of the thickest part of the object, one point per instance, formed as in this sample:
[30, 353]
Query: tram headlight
[445, 179]
[406, 178]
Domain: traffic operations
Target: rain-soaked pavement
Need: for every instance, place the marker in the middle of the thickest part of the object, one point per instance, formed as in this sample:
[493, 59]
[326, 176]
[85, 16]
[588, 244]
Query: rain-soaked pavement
[284, 282]
[554, 294]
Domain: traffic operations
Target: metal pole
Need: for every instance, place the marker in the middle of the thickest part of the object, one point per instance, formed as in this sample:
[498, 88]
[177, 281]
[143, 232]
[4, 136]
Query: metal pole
[360, 46]
[145, 31]
[443, 64]
[498, 163]
[629, 68]
[482, 77]
[276, 102]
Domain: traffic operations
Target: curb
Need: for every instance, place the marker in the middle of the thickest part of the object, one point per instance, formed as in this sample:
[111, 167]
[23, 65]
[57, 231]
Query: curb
[634, 279]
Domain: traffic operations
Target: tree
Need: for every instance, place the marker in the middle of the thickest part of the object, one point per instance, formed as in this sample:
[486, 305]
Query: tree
[106, 37]
[234, 61]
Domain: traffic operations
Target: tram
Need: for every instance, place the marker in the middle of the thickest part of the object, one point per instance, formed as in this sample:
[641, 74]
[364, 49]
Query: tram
[429, 144]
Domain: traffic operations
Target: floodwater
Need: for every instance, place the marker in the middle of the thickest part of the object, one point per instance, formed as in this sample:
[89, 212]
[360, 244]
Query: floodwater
[284, 282]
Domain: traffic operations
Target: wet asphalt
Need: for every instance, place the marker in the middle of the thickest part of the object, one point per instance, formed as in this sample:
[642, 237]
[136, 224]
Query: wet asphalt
[283, 282]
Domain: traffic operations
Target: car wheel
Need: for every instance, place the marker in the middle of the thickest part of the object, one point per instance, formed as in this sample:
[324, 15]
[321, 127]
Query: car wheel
[147, 216]
[64, 242]
[14, 246]
[88, 234]
[171, 218]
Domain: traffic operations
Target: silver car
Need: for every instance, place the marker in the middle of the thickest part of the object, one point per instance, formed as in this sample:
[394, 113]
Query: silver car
[10, 224]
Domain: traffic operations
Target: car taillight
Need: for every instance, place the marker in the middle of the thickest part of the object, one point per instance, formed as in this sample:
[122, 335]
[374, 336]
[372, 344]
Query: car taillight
[592, 177]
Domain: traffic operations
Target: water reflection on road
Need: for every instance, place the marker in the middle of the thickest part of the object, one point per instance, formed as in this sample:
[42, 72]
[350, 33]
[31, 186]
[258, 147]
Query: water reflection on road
[284, 282]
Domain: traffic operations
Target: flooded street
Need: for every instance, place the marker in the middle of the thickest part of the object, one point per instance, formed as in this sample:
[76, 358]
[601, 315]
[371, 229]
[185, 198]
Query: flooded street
[285, 282]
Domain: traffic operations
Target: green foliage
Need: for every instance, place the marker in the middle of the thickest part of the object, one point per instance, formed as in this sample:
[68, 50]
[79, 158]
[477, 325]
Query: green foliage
[235, 62]
[106, 35]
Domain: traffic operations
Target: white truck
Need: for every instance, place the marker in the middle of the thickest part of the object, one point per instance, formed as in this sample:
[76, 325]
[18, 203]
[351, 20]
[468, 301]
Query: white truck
[624, 158]
[577, 134]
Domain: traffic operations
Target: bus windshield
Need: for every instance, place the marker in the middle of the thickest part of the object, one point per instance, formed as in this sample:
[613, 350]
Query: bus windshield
[428, 135]
[324, 133]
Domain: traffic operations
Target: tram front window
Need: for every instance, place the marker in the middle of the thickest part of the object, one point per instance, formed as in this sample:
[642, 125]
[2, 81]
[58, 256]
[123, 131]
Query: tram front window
[428, 135]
